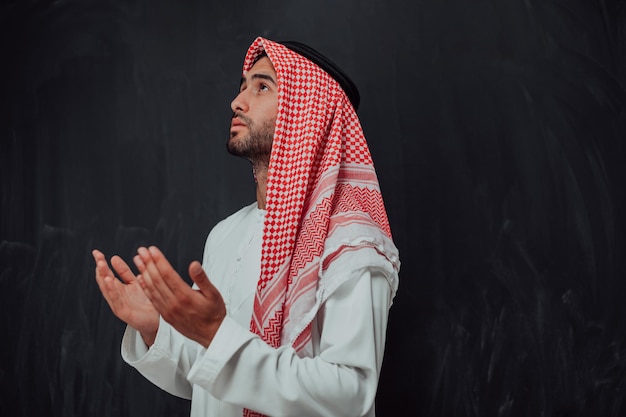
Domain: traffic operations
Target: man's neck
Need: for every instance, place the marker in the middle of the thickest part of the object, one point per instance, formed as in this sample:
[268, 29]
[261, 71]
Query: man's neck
[260, 177]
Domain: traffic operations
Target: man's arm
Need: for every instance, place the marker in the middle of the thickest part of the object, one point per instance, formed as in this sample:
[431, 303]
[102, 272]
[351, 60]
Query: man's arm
[240, 368]
[341, 380]
[130, 304]
[167, 362]
[189, 318]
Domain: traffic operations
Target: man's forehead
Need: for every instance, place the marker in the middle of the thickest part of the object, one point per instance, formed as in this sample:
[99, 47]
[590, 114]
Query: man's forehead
[262, 63]
[263, 67]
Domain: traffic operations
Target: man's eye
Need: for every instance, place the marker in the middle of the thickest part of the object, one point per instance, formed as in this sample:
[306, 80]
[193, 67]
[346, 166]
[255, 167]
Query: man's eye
[264, 87]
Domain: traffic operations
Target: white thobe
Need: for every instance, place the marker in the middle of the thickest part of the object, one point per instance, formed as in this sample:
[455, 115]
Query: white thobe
[240, 370]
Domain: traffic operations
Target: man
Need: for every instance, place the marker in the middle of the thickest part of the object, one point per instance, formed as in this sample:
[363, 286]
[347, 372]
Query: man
[289, 318]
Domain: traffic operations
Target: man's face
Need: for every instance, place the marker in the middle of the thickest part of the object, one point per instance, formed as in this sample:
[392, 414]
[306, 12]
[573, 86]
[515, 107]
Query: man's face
[254, 113]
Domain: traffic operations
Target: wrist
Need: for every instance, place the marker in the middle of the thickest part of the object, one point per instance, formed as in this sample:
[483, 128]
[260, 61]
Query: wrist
[149, 333]
[148, 338]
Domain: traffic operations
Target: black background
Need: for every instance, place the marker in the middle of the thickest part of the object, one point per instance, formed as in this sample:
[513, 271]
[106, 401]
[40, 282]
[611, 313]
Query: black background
[497, 129]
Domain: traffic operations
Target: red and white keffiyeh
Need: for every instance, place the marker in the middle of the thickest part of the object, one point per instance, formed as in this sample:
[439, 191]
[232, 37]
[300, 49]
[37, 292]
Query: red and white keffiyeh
[323, 198]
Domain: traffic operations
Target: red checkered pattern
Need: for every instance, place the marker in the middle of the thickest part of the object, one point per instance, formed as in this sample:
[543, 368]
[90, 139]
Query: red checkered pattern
[321, 179]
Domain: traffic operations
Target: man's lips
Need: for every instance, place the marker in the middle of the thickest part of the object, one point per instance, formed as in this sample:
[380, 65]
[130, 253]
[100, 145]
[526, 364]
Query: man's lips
[236, 122]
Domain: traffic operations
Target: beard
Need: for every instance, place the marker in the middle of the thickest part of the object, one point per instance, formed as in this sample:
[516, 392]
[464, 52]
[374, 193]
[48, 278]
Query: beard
[256, 146]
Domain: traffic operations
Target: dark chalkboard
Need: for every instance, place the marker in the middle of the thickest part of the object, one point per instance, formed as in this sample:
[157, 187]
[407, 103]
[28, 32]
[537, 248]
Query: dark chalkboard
[497, 129]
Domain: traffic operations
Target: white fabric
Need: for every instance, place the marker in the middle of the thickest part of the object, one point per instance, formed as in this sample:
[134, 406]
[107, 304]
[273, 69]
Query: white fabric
[240, 370]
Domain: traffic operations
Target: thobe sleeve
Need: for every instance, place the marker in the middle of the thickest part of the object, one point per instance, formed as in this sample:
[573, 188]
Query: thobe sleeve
[168, 360]
[341, 380]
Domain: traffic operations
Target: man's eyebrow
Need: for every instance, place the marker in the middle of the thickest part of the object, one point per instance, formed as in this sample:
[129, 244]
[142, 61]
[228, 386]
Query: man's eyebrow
[264, 77]
[261, 76]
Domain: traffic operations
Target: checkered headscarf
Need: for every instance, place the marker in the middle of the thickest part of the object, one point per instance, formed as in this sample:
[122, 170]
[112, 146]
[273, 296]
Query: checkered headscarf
[323, 198]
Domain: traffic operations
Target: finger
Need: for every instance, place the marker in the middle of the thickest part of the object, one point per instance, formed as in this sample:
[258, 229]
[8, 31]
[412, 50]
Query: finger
[102, 272]
[111, 288]
[165, 271]
[111, 292]
[122, 269]
[97, 255]
[104, 288]
[209, 292]
[146, 290]
[146, 281]
[201, 279]
[98, 258]
[102, 268]
[139, 264]
[152, 279]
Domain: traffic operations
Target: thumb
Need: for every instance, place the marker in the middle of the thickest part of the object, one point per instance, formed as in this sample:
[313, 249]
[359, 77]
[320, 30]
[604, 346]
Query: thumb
[200, 277]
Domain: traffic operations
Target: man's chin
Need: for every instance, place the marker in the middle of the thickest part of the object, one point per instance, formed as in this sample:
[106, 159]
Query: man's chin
[233, 146]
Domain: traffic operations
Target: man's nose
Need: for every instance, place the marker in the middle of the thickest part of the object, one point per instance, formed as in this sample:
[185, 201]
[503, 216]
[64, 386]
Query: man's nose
[239, 103]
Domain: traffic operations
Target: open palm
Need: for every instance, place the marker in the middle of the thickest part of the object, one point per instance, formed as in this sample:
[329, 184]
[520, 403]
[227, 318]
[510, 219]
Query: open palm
[126, 299]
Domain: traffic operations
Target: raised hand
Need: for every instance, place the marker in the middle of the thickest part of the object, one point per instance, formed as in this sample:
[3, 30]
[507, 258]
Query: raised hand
[196, 314]
[126, 299]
